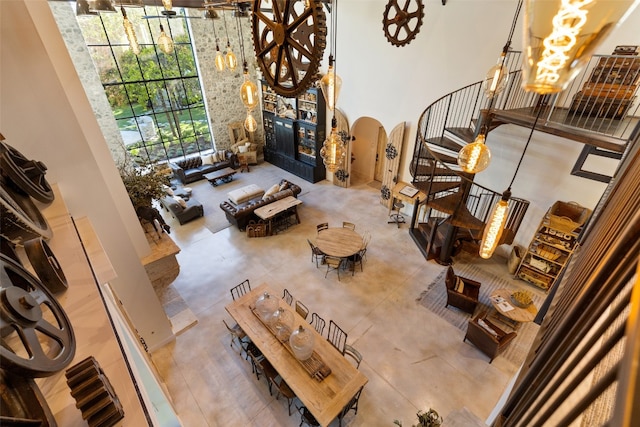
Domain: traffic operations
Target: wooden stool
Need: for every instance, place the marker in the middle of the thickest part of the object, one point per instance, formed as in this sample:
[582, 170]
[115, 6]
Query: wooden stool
[397, 218]
[244, 163]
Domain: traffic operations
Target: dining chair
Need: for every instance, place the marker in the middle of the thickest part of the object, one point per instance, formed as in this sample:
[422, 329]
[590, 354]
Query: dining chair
[317, 322]
[306, 417]
[316, 253]
[282, 388]
[333, 263]
[287, 297]
[353, 353]
[322, 226]
[366, 238]
[241, 289]
[237, 335]
[356, 259]
[302, 310]
[348, 225]
[262, 366]
[337, 337]
[351, 406]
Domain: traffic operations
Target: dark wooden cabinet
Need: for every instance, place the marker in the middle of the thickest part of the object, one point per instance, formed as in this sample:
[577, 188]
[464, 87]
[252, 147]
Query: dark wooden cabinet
[293, 140]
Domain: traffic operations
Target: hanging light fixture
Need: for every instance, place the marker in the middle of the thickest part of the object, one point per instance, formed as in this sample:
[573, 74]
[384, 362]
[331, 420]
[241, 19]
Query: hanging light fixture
[219, 59]
[130, 32]
[248, 89]
[333, 150]
[168, 6]
[210, 14]
[498, 218]
[330, 84]
[475, 157]
[250, 123]
[560, 37]
[230, 58]
[164, 42]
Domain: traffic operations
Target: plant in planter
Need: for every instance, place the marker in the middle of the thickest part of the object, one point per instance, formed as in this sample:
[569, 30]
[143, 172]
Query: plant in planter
[431, 418]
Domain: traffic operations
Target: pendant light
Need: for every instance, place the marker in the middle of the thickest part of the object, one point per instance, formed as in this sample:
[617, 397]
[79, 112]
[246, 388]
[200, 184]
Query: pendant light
[130, 32]
[248, 89]
[250, 123]
[476, 156]
[499, 214]
[230, 59]
[219, 58]
[164, 42]
[168, 6]
[333, 150]
[561, 36]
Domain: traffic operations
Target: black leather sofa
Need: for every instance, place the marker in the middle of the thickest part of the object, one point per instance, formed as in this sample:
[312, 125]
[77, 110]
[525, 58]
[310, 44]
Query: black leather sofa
[192, 169]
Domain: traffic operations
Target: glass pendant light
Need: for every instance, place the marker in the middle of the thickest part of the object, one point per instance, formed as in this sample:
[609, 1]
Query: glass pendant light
[330, 84]
[561, 36]
[250, 123]
[130, 32]
[164, 42]
[168, 6]
[496, 78]
[230, 58]
[495, 226]
[332, 151]
[475, 157]
[248, 91]
[219, 61]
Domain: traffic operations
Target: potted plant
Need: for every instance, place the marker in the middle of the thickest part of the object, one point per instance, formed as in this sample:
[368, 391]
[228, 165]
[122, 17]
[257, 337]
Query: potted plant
[431, 418]
[143, 184]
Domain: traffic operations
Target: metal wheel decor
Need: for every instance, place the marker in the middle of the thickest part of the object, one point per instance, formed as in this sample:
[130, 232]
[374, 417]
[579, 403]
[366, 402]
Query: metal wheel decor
[20, 218]
[27, 175]
[391, 152]
[46, 265]
[385, 192]
[22, 403]
[289, 38]
[37, 338]
[402, 24]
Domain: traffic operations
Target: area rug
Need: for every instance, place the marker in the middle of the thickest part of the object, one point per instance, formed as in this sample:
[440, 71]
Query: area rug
[434, 298]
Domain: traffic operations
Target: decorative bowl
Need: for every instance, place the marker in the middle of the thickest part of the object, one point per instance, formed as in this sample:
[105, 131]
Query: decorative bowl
[521, 299]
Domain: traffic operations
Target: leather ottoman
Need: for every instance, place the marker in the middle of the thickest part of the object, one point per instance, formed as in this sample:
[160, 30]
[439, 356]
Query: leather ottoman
[244, 194]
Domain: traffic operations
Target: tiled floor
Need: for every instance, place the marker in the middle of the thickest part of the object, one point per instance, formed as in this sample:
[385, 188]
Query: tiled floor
[413, 359]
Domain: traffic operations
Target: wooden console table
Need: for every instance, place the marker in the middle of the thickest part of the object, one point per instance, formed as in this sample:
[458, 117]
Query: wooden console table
[269, 212]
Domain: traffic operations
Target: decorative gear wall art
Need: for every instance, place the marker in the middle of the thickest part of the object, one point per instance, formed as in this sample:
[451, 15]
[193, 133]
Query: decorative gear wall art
[342, 175]
[289, 38]
[402, 24]
[385, 192]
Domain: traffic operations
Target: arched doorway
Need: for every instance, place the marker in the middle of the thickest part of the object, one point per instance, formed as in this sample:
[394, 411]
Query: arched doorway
[367, 150]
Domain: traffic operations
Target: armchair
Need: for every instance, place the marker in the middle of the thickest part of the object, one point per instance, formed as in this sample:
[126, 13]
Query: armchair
[246, 151]
[487, 337]
[462, 292]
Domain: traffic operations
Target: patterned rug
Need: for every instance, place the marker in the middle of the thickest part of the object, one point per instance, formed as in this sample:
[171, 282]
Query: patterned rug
[434, 298]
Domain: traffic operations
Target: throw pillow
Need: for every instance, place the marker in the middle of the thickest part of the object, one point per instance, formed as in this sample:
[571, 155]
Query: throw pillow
[242, 149]
[459, 285]
[271, 191]
[487, 328]
[167, 190]
[180, 201]
[207, 159]
[283, 185]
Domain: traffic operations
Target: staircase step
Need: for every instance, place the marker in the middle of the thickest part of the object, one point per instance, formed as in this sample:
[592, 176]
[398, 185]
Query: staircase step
[459, 215]
[436, 186]
[461, 136]
[445, 142]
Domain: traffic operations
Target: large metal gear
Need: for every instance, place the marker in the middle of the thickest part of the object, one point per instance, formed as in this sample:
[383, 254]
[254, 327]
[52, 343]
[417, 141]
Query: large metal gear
[289, 38]
[402, 24]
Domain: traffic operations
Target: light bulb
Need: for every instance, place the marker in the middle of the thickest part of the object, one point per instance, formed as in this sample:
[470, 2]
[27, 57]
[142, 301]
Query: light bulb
[131, 34]
[330, 84]
[333, 151]
[561, 36]
[494, 228]
[475, 157]
[168, 4]
[219, 61]
[230, 58]
[250, 123]
[496, 78]
[164, 42]
[249, 92]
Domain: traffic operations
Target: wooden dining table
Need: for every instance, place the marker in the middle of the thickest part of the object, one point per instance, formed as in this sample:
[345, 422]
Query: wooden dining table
[325, 399]
[339, 242]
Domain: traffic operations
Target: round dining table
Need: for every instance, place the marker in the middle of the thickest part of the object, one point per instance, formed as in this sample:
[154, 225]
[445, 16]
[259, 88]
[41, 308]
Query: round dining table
[339, 242]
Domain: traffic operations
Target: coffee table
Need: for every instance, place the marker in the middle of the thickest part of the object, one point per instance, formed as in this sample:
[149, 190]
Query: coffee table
[501, 301]
[223, 175]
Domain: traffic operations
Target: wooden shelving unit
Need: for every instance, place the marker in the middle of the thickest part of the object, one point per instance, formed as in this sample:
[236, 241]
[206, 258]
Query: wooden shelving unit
[293, 141]
[553, 244]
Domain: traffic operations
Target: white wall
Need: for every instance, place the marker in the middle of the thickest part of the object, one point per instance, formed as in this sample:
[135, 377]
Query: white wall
[456, 45]
[45, 114]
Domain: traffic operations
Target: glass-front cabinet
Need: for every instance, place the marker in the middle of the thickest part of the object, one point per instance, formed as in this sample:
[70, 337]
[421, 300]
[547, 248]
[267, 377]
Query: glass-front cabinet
[294, 131]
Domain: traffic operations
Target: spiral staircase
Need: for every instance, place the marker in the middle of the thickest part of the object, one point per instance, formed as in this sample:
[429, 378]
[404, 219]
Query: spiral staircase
[457, 207]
